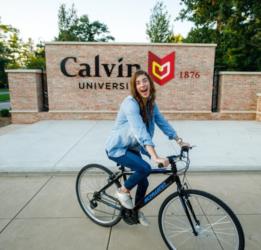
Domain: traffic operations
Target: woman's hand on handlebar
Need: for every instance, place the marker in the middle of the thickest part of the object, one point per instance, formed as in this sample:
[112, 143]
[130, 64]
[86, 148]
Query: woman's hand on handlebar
[184, 144]
[164, 162]
[181, 143]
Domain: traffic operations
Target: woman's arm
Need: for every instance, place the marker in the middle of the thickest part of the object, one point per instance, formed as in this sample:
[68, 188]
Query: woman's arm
[166, 128]
[152, 152]
[163, 124]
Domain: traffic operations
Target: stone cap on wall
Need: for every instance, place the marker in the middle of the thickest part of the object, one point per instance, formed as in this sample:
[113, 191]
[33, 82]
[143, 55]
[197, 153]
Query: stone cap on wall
[133, 44]
[239, 73]
[115, 111]
[23, 71]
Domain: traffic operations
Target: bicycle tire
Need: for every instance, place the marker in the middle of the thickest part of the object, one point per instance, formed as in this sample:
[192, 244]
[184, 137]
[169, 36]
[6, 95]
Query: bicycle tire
[90, 179]
[219, 227]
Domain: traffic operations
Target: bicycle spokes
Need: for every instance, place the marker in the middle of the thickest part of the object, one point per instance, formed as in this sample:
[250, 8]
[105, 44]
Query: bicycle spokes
[215, 224]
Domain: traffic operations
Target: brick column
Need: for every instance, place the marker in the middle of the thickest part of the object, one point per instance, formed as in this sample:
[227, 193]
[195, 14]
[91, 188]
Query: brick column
[237, 94]
[258, 107]
[25, 95]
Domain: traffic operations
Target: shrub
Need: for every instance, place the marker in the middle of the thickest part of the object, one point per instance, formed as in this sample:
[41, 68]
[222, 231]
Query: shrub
[5, 113]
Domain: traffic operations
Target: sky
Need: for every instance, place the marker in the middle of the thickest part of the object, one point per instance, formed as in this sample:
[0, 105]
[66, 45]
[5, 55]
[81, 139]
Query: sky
[126, 19]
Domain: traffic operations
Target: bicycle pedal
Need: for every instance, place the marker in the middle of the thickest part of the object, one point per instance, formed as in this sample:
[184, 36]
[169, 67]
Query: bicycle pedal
[93, 204]
[130, 216]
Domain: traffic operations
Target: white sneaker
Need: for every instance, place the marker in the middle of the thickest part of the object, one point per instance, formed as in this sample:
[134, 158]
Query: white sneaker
[142, 219]
[124, 199]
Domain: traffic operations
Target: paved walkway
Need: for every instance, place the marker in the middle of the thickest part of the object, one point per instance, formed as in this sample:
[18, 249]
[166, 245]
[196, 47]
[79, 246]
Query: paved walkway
[5, 105]
[42, 212]
[65, 146]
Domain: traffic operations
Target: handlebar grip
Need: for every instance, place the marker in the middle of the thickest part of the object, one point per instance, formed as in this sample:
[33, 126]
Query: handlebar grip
[185, 148]
[160, 165]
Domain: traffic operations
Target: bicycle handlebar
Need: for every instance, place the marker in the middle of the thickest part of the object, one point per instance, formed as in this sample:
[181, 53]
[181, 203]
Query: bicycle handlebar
[183, 150]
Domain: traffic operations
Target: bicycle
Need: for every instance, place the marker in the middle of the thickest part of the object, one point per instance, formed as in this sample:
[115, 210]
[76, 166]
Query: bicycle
[188, 218]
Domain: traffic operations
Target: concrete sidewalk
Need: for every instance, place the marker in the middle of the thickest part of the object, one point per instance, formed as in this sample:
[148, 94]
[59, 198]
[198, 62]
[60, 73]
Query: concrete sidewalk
[5, 105]
[42, 212]
[65, 146]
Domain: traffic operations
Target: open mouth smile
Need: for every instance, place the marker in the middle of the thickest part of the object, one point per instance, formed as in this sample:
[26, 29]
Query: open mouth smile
[144, 90]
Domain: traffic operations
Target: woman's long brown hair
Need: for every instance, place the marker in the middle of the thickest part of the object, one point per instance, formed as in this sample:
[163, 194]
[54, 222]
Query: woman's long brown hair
[151, 99]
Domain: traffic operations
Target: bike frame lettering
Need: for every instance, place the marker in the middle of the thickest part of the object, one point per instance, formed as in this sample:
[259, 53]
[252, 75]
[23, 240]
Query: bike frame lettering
[155, 192]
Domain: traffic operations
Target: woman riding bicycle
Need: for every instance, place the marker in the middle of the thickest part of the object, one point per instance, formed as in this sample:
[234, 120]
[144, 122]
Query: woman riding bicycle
[132, 135]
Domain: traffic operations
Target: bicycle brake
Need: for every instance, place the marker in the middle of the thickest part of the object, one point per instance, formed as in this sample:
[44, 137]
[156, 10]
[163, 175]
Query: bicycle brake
[185, 185]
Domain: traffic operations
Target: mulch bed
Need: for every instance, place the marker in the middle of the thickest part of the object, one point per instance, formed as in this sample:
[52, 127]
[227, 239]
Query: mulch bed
[4, 121]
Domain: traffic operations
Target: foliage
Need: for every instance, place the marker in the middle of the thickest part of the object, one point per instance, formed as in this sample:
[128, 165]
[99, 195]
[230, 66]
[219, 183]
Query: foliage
[74, 28]
[158, 27]
[5, 113]
[15, 53]
[4, 51]
[36, 59]
[176, 38]
[233, 25]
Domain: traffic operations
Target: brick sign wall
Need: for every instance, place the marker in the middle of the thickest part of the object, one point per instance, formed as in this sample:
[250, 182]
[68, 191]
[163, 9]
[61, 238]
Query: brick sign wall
[94, 77]
[89, 81]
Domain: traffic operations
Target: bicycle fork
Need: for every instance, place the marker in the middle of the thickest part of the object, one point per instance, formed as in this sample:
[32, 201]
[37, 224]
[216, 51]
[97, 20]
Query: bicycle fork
[184, 199]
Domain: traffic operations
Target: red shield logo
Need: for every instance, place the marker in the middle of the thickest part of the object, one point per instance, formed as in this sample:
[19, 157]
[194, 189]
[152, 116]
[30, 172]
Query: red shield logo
[161, 70]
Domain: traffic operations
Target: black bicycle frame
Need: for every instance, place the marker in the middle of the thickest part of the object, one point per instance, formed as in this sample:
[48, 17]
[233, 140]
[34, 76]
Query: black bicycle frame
[173, 177]
[157, 190]
[153, 194]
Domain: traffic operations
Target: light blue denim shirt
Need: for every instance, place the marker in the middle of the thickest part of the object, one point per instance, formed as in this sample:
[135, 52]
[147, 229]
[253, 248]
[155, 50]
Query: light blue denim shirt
[130, 132]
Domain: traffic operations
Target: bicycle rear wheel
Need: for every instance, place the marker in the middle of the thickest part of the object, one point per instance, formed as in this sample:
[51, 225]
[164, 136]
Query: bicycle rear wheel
[218, 227]
[102, 209]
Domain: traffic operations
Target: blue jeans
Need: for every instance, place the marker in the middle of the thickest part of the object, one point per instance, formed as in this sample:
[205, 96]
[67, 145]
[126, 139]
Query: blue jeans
[142, 169]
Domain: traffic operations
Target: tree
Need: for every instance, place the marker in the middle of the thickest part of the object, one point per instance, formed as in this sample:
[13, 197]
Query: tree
[158, 28]
[6, 32]
[15, 53]
[176, 38]
[233, 25]
[24, 54]
[36, 59]
[74, 28]
[67, 22]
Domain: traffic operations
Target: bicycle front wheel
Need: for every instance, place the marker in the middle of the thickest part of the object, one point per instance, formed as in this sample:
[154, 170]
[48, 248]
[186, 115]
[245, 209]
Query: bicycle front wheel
[102, 208]
[216, 225]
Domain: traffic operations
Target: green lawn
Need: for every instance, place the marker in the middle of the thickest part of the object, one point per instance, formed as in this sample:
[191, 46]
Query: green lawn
[4, 97]
[4, 90]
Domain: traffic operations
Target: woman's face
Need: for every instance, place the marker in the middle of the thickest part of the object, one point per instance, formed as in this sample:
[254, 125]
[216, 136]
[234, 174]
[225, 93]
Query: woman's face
[143, 86]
